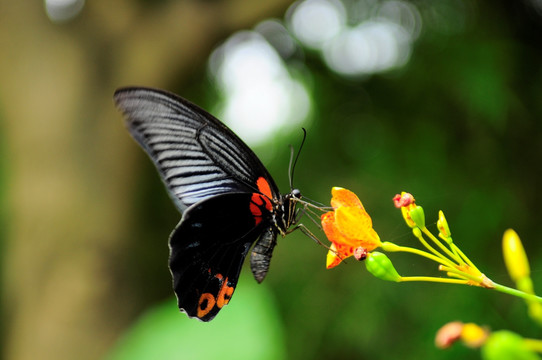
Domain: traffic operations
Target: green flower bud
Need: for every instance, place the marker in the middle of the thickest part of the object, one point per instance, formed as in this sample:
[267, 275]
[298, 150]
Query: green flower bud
[418, 217]
[381, 267]
[505, 345]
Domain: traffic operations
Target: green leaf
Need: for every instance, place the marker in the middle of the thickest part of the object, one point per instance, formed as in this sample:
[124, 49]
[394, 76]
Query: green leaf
[247, 328]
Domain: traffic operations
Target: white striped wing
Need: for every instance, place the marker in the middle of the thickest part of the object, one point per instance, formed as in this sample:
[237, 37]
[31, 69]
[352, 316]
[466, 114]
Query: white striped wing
[197, 156]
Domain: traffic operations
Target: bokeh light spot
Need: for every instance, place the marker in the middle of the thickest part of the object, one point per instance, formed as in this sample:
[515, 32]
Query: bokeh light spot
[260, 95]
[358, 37]
[369, 48]
[278, 36]
[316, 21]
[63, 10]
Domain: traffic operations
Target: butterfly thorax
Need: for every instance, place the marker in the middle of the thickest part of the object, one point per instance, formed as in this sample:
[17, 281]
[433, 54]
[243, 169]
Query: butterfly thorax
[286, 211]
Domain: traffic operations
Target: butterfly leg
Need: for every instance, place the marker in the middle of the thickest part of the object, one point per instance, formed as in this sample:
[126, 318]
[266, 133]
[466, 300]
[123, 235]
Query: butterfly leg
[305, 230]
[309, 233]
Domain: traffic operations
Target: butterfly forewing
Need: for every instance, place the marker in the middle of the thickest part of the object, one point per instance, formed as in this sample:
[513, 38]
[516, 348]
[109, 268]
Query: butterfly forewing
[197, 156]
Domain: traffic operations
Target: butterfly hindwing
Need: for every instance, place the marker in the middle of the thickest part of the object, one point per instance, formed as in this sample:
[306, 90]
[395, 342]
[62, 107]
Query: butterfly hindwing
[207, 250]
[197, 156]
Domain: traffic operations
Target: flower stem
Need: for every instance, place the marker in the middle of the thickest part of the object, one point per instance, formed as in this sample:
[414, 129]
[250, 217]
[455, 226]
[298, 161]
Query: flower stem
[518, 293]
[441, 246]
[433, 279]
[464, 257]
[462, 274]
[420, 238]
[397, 248]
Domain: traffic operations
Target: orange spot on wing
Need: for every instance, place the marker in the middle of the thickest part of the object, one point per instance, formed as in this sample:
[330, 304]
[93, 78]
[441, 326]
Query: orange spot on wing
[208, 300]
[264, 187]
[224, 295]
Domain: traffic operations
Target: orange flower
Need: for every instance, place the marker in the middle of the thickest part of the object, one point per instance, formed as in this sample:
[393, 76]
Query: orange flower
[348, 227]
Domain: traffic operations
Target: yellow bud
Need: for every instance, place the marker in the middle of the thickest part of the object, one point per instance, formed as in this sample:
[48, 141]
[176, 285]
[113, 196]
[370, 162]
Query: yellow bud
[442, 226]
[535, 311]
[514, 256]
[473, 335]
[406, 215]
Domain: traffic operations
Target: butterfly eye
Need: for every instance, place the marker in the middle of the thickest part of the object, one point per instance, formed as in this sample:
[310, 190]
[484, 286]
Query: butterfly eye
[296, 193]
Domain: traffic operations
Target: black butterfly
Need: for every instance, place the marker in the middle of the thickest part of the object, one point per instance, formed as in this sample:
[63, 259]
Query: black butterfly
[227, 197]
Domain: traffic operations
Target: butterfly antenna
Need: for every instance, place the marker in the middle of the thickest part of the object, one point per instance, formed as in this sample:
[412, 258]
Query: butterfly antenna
[291, 168]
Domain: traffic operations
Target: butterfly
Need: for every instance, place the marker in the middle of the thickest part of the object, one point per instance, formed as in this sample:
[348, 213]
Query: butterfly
[227, 198]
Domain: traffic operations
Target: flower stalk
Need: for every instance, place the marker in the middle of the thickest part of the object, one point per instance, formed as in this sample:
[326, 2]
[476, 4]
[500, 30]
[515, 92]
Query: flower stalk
[349, 228]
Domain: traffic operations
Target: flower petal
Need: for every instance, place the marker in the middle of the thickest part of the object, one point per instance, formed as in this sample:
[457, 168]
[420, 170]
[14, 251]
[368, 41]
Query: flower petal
[353, 222]
[340, 244]
[328, 225]
[344, 197]
[332, 258]
[337, 253]
[348, 227]
[356, 227]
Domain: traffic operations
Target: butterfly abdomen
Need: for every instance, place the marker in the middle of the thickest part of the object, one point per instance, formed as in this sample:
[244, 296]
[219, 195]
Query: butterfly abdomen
[260, 257]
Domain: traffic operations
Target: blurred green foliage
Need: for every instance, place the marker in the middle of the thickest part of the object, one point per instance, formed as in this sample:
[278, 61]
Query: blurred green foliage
[459, 126]
[3, 218]
[163, 333]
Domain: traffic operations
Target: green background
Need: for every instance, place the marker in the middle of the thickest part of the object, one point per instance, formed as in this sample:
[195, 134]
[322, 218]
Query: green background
[85, 220]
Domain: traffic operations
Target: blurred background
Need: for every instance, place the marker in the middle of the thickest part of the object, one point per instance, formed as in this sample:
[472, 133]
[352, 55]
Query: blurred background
[438, 98]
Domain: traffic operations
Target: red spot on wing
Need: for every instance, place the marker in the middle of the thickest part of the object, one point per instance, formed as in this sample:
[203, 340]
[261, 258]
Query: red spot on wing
[258, 202]
[261, 200]
[255, 209]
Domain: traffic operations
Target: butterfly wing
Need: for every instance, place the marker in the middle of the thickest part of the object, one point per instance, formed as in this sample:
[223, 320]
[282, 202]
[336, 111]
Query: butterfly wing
[196, 155]
[219, 184]
[208, 248]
